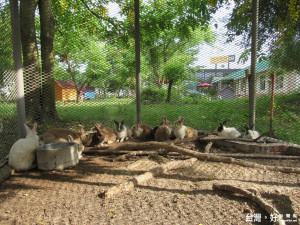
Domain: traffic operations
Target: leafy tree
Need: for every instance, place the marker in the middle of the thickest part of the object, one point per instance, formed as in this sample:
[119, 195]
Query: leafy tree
[173, 70]
[86, 65]
[279, 26]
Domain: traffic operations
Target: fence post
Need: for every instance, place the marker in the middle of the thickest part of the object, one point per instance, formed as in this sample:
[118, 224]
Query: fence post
[137, 59]
[17, 55]
[272, 100]
[252, 92]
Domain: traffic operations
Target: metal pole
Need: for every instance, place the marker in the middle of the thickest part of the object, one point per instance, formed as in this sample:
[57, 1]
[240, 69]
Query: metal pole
[17, 55]
[272, 100]
[137, 59]
[254, 31]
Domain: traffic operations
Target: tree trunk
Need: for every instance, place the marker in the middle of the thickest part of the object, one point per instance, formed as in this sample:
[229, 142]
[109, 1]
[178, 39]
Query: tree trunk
[169, 90]
[32, 81]
[47, 53]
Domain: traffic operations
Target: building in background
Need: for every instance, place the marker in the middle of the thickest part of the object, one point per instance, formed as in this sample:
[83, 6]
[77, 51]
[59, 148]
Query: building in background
[65, 90]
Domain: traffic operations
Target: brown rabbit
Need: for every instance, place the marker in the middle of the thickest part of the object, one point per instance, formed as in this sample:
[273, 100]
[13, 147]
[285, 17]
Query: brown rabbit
[53, 135]
[181, 131]
[164, 131]
[86, 136]
[142, 131]
[107, 135]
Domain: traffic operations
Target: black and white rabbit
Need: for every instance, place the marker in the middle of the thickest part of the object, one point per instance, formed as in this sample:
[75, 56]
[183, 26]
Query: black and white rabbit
[250, 133]
[228, 132]
[123, 132]
[22, 153]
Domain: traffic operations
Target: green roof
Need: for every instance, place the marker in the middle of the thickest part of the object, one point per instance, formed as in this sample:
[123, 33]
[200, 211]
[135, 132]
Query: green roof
[260, 67]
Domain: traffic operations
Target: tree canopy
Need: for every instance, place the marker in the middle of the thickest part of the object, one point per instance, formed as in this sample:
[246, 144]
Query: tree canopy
[278, 29]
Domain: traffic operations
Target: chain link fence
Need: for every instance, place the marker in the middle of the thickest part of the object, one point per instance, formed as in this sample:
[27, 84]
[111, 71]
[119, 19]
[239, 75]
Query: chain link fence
[79, 68]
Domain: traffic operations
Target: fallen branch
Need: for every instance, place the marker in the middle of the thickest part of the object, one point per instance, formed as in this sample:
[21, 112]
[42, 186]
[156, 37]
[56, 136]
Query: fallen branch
[208, 147]
[251, 156]
[216, 158]
[139, 180]
[130, 154]
[257, 199]
[264, 134]
[203, 156]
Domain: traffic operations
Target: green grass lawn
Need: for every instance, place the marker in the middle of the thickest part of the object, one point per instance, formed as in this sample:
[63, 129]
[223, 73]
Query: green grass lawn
[205, 115]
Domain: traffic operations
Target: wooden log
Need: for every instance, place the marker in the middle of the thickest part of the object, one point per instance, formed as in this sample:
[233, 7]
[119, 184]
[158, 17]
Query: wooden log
[139, 180]
[208, 147]
[251, 156]
[215, 158]
[264, 134]
[257, 199]
[203, 156]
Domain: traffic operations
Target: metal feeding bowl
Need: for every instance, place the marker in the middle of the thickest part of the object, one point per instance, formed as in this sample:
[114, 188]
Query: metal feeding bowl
[57, 156]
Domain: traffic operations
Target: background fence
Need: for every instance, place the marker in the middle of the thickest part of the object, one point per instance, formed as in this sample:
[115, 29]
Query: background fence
[79, 65]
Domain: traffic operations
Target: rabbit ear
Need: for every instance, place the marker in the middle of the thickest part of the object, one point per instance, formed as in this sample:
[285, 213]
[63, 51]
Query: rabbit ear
[70, 138]
[123, 121]
[116, 122]
[181, 119]
[27, 129]
[224, 123]
[140, 124]
[246, 126]
[164, 119]
[34, 127]
[80, 128]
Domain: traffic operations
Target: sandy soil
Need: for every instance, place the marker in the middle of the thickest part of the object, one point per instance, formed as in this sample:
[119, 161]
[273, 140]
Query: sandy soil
[182, 196]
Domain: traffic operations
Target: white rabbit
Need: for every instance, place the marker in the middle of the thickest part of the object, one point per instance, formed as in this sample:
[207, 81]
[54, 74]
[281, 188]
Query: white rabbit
[250, 133]
[123, 132]
[22, 153]
[228, 132]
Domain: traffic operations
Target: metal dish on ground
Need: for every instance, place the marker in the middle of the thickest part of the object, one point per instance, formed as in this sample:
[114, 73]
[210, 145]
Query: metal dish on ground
[57, 156]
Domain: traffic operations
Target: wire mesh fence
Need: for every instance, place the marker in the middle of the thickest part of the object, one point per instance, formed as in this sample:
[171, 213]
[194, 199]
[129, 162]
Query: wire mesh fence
[79, 67]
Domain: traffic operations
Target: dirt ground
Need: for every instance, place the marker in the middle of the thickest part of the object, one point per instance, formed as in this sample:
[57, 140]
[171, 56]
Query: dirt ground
[182, 196]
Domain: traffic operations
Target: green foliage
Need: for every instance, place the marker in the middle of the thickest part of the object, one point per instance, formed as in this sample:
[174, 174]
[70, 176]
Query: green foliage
[279, 26]
[152, 95]
[174, 70]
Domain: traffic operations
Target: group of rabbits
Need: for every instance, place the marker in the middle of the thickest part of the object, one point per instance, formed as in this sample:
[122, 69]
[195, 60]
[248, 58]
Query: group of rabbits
[165, 131]
[22, 153]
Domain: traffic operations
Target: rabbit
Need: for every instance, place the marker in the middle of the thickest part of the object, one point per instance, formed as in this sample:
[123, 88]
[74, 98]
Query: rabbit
[53, 135]
[142, 131]
[22, 153]
[84, 135]
[164, 131]
[123, 132]
[107, 135]
[228, 132]
[250, 133]
[181, 131]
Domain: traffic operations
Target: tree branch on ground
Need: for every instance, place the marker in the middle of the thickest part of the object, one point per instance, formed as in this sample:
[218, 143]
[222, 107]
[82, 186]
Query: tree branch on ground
[257, 199]
[141, 179]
